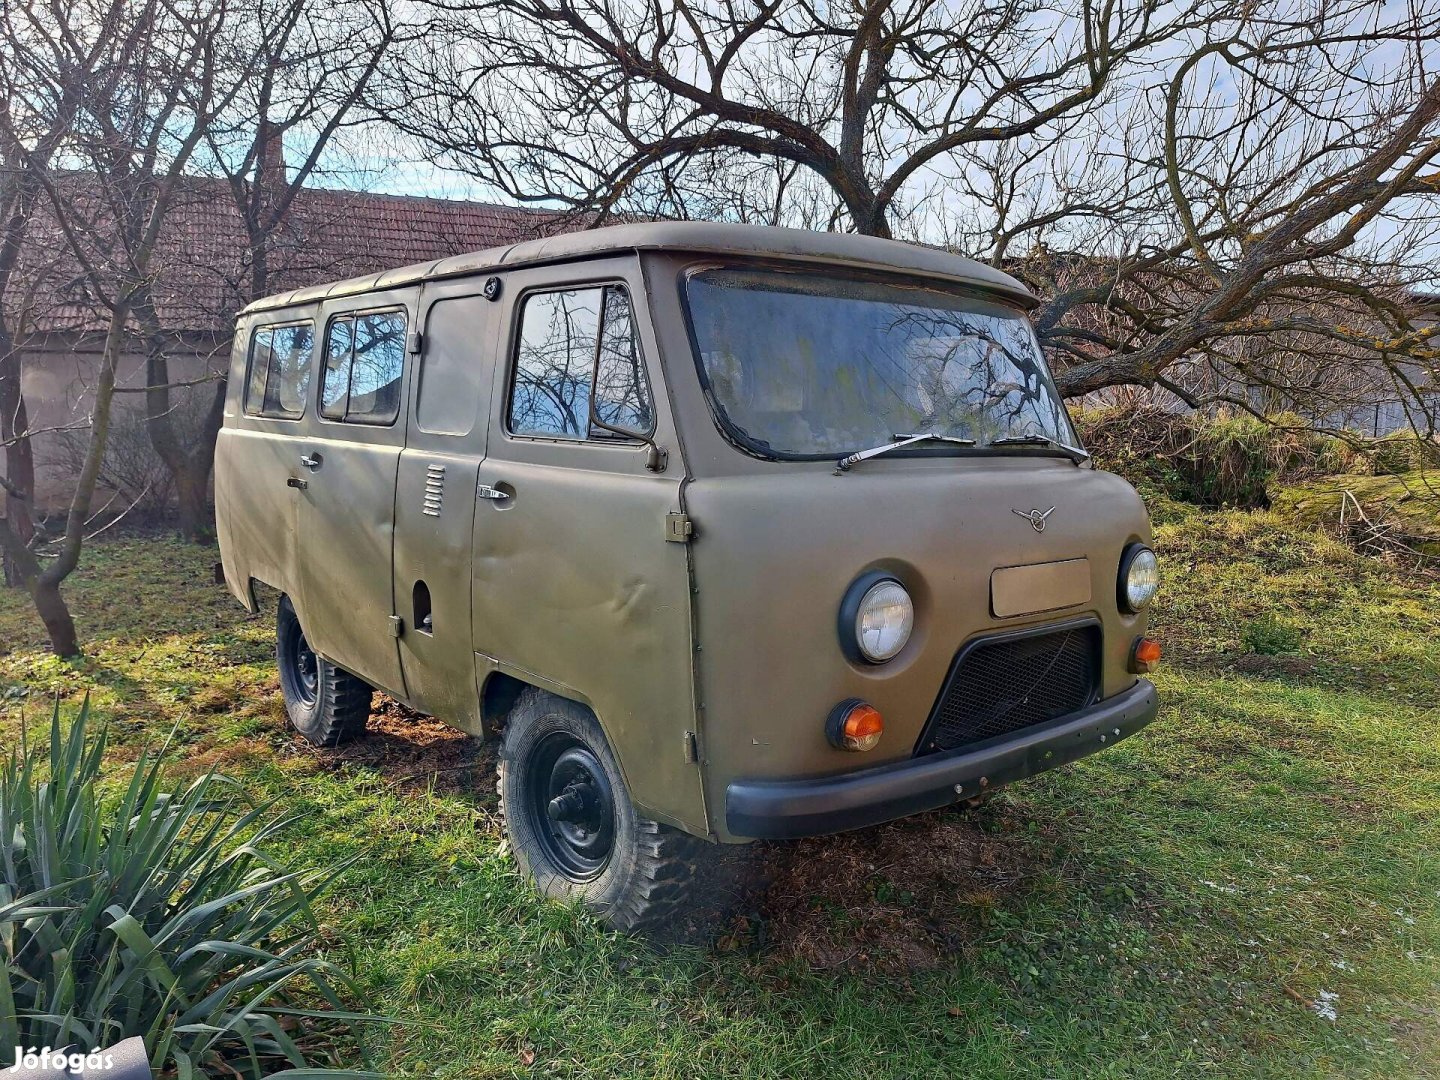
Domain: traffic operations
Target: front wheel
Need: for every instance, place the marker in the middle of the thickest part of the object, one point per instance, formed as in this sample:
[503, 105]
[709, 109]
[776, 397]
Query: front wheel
[326, 705]
[572, 825]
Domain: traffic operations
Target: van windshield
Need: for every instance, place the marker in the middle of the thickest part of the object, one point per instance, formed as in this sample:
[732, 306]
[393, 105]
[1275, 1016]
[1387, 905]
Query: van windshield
[808, 366]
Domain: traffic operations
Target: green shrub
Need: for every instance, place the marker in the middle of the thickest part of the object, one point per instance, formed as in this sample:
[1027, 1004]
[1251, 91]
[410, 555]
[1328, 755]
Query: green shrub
[156, 915]
[1397, 455]
[1270, 637]
[1226, 459]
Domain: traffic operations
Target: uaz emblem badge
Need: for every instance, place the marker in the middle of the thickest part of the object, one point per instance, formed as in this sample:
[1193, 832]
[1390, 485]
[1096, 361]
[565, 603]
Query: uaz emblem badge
[1035, 517]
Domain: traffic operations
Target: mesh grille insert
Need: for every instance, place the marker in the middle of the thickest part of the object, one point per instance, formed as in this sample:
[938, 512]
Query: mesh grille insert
[998, 687]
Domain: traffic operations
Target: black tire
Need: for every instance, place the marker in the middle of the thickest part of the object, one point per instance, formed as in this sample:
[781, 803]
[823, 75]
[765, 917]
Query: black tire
[326, 705]
[632, 873]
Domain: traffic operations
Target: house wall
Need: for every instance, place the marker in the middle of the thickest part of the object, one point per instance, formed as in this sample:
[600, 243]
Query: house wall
[58, 380]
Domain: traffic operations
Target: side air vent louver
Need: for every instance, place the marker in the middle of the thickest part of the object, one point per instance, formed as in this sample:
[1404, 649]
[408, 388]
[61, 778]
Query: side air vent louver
[434, 490]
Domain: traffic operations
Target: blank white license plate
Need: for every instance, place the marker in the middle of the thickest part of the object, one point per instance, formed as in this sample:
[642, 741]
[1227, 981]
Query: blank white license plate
[1024, 590]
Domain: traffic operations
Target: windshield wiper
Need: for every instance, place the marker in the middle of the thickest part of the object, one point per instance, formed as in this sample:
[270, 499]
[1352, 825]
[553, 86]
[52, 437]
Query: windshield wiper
[843, 465]
[1074, 453]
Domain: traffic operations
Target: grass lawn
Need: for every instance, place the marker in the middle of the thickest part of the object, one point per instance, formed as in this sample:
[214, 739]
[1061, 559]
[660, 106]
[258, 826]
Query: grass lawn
[1251, 887]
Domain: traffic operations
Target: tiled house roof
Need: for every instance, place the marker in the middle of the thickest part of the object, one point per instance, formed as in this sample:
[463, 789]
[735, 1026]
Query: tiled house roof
[202, 266]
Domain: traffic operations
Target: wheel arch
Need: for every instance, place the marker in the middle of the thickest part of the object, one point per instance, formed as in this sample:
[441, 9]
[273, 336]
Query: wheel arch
[498, 696]
[502, 690]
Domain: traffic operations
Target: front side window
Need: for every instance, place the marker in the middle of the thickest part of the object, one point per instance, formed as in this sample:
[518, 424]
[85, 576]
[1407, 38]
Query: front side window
[279, 370]
[364, 368]
[804, 366]
[572, 343]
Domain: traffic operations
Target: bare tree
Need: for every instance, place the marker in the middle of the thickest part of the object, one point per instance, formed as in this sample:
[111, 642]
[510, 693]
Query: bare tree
[596, 103]
[1296, 158]
[152, 86]
[305, 69]
[1229, 172]
[38, 116]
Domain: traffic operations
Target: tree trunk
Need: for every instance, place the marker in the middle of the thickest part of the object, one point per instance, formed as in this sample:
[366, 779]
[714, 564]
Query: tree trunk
[192, 481]
[870, 218]
[44, 593]
[19, 453]
[189, 467]
[44, 582]
[54, 613]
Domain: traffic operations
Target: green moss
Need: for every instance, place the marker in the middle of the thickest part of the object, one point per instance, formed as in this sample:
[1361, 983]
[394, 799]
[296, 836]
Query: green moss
[1409, 502]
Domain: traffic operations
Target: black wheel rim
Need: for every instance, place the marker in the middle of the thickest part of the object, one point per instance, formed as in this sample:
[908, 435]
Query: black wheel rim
[571, 806]
[304, 666]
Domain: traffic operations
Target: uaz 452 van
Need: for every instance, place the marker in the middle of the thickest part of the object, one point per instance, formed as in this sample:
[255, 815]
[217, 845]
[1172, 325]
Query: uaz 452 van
[726, 532]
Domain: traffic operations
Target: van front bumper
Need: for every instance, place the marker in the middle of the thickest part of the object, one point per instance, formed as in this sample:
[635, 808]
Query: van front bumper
[766, 809]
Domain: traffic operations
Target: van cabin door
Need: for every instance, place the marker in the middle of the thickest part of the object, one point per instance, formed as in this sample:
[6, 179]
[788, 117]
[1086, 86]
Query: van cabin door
[575, 585]
[435, 499]
[348, 466]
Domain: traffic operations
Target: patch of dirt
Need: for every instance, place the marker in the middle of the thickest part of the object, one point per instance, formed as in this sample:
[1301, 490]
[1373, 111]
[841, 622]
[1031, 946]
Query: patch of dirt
[1289, 667]
[1419, 1036]
[896, 898]
[226, 759]
[214, 699]
[1257, 665]
[416, 753]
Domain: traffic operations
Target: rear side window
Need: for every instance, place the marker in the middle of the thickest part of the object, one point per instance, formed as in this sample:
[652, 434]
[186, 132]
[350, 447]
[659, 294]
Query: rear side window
[364, 367]
[571, 341]
[279, 370]
[451, 375]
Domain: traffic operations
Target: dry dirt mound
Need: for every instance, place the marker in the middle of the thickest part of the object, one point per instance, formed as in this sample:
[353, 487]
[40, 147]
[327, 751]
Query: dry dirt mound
[898, 897]
[416, 751]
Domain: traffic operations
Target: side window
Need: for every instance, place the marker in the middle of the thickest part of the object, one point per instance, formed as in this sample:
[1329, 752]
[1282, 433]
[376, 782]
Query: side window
[364, 366]
[335, 392]
[455, 369]
[261, 338]
[622, 394]
[570, 340]
[558, 331]
[279, 370]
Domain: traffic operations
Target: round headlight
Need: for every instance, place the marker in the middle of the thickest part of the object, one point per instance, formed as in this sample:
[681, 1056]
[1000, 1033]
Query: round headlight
[1139, 578]
[876, 618]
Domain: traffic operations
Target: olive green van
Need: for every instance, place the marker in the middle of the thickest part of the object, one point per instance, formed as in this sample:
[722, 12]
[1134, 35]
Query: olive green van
[726, 532]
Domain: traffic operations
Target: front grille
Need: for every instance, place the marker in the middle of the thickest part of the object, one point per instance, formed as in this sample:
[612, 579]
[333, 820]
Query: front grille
[1005, 684]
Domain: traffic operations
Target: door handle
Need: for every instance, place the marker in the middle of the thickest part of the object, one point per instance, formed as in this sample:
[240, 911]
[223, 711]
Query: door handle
[311, 461]
[485, 491]
[296, 482]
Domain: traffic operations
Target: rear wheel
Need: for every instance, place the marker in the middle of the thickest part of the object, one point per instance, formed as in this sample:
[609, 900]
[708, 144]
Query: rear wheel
[572, 825]
[326, 705]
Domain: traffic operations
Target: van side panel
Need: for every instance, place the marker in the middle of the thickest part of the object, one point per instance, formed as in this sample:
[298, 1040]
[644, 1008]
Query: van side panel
[237, 583]
[346, 520]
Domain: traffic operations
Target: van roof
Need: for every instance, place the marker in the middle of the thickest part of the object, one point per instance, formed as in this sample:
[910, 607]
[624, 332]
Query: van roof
[754, 241]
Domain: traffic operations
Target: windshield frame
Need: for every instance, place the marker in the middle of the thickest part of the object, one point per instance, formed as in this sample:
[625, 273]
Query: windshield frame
[742, 441]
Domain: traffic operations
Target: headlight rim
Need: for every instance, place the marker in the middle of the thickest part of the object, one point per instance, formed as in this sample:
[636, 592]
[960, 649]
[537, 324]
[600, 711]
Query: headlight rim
[1122, 581]
[848, 626]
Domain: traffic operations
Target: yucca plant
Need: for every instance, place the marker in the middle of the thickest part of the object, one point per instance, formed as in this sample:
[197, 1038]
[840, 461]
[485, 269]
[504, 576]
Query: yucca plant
[157, 914]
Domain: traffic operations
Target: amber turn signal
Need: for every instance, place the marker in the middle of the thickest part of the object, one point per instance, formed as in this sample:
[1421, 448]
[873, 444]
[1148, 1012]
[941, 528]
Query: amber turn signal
[854, 725]
[1144, 655]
